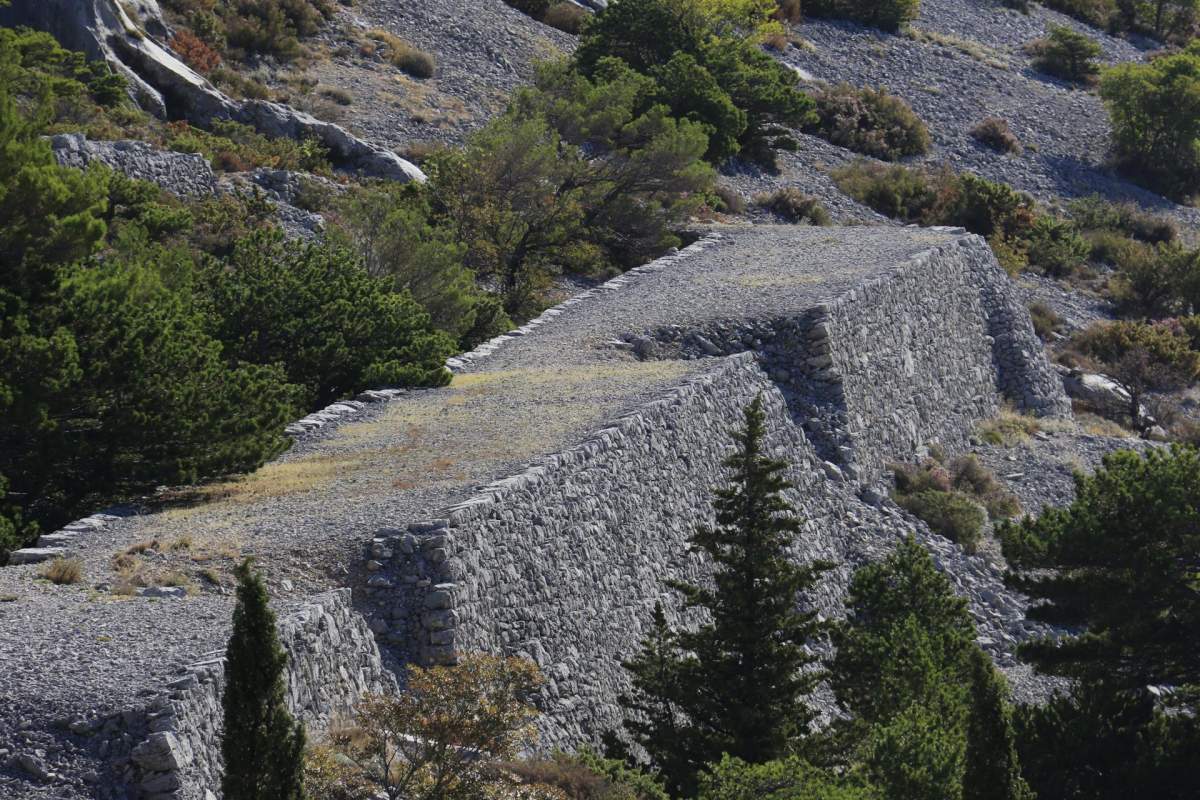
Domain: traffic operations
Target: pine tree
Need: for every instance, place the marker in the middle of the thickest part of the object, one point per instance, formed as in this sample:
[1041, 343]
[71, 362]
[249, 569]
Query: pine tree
[929, 714]
[262, 745]
[993, 769]
[737, 684]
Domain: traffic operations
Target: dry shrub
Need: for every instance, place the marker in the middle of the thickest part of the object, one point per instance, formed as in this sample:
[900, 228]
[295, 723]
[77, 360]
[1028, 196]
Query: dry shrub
[63, 571]
[731, 202]
[1046, 321]
[791, 204]
[777, 42]
[789, 11]
[870, 121]
[1008, 429]
[995, 133]
[404, 56]
[567, 17]
[141, 547]
[195, 52]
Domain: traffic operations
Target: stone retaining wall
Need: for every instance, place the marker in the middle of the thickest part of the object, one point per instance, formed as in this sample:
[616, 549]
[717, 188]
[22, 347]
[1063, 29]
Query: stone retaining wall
[563, 562]
[170, 749]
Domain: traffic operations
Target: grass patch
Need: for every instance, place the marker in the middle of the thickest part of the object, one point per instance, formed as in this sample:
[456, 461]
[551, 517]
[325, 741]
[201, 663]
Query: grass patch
[404, 56]
[62, 571]
[979, 52]
[1008, 429]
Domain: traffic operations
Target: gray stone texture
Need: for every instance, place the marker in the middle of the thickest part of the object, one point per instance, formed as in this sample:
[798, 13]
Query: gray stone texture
[184, 174]
[170, 748]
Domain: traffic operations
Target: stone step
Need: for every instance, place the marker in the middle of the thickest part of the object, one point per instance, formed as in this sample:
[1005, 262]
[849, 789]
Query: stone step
[57, 539]
[34, 555]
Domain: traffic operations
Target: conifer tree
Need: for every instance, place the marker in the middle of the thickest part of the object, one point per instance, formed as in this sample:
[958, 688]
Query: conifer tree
[262, 745]
[737, 684]
[993, 770]
[929, 715]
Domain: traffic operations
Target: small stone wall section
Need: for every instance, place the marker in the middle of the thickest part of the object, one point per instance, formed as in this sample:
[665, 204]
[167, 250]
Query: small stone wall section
[170, 749]
[184, 174]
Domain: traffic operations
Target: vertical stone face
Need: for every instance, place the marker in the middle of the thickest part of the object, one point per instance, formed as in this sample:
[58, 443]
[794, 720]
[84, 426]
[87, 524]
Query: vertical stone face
[332, 662]
[563, 563]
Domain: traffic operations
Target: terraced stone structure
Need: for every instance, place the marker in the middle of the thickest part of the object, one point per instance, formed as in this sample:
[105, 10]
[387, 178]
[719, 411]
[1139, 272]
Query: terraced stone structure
[535, 506]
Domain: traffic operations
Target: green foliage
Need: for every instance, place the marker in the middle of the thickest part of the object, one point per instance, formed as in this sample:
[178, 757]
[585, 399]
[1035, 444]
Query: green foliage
[255, 27]
[706, 69]
[314, 310]
[1141, 357]
[390, 228]
[1055, 247]
[261, 745]
[735, 685]
[1152, 282]
[928, 714]
[1095, 744]
[1122, 556]
[587, 776]
[894, 191]
[234, 147]
[790, 778]
[888, 15]
[793, 205]
[951, 514]
[1097, 13]
[1094, 213]
[581, 176]
[1155, 113]
[870, 121]
[1067, 54]
[993, 769]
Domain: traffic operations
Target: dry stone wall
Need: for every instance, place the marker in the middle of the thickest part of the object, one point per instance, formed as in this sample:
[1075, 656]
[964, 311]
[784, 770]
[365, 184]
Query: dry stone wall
[170, 749]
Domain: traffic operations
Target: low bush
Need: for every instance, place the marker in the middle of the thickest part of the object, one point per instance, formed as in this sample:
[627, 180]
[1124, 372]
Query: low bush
[1008, 429]
[1096, 213]
[1046, 321]
[1141, 357]
[793, 205]
[404, 56]
[969, 475]
[869, 121]
[888, 15]
[1097, 13]
[954, 499]
[585, 776]
[1055, 247]
[63, 571]
[1066, 54]
[567, 17]
[232, 147]
[995, 133]
[195, 52]
[253, 27]
[951, 514]
[728, 199]
[894, 191]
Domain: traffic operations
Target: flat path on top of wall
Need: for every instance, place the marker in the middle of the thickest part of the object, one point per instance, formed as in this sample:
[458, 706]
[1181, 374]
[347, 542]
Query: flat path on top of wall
[758, 272]
[69, 650]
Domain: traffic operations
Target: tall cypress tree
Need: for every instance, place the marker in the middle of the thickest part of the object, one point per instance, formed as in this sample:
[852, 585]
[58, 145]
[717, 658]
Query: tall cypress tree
[737, 684]
[262, 746]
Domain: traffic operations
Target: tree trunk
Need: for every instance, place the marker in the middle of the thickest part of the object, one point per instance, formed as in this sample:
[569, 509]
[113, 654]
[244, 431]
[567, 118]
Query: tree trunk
[166, 87]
